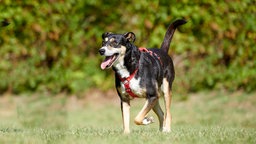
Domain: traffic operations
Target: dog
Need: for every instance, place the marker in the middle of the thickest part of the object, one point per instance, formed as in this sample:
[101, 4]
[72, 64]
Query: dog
[141, 73]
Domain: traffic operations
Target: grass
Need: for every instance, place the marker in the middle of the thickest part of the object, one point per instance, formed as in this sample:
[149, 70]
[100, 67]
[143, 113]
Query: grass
[202, 118]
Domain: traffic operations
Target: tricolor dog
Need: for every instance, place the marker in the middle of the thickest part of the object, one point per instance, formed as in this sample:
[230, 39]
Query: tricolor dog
[141, 73]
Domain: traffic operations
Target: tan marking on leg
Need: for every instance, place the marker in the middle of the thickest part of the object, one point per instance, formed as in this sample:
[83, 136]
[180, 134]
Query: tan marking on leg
[150, 103]
[167, 99]
[160, 114]
[125, 107]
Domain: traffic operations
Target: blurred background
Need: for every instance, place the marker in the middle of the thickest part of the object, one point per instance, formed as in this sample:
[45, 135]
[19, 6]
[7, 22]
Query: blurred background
[52, 45]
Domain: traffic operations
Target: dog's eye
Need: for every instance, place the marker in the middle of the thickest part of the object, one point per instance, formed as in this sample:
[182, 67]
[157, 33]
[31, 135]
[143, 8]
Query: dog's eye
[114, 44]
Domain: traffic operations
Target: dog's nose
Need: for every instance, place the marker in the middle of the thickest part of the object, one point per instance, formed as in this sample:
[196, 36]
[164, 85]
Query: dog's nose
[102, 51]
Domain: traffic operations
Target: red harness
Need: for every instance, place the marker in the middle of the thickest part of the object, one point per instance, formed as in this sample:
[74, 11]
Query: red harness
[142, 49]
[126, 81]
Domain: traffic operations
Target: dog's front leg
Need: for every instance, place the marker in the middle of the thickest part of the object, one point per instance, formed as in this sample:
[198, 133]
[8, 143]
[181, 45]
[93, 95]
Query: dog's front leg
[141, 118]
[125, 107]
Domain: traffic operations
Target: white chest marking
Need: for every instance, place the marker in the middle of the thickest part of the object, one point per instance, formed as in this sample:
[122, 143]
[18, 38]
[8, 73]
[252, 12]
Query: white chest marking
[135, 87]
[121, 69]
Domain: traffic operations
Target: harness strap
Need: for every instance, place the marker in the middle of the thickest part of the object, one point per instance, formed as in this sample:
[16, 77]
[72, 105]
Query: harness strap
[142, 49]
[126, 80]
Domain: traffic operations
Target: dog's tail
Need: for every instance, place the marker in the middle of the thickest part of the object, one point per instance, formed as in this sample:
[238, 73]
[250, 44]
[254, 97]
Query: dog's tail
[169, 34]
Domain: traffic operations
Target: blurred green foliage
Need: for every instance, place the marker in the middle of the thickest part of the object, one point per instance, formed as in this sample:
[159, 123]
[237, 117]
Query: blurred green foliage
[52, 45]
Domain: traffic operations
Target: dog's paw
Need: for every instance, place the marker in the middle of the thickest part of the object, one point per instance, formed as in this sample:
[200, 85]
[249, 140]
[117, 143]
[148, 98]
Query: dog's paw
[148, 120]
[166, 130]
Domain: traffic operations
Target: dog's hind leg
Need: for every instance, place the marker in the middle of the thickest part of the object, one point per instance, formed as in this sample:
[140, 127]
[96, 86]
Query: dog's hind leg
[167, 99]
[160, 114]
[125, 107]
[141, 118]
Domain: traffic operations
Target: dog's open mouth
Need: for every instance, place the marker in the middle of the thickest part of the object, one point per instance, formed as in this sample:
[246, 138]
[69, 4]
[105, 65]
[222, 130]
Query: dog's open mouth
[108, 62]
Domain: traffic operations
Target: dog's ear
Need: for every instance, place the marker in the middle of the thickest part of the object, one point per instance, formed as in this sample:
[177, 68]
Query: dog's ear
[130, 36]
[106, 34]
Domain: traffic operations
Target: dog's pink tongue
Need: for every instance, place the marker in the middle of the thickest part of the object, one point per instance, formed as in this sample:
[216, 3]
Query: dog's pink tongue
[105, 63]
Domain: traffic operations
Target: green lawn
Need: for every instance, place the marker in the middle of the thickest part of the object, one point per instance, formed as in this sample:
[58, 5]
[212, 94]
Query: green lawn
[202, 118]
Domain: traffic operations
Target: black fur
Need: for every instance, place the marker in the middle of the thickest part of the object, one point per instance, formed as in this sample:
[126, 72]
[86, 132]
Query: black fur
[132, 57]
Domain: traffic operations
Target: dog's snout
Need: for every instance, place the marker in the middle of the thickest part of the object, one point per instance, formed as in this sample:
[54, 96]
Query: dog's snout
[102, 51]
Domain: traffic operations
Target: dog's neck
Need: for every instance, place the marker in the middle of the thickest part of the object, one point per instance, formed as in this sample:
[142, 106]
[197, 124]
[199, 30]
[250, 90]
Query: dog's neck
[129, 62]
